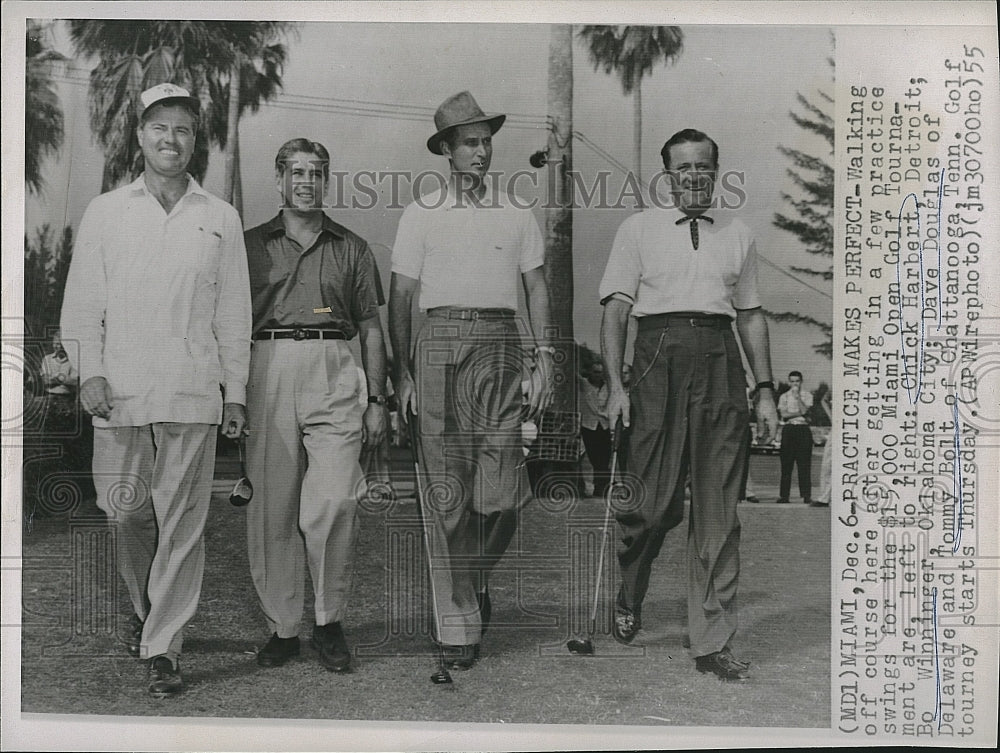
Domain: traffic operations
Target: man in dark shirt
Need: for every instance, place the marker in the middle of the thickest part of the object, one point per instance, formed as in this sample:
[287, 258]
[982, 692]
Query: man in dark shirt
[315, 285]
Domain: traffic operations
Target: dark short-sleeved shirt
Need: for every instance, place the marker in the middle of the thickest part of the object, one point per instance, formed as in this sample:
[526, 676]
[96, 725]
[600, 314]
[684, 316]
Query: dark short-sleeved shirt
[287, 282]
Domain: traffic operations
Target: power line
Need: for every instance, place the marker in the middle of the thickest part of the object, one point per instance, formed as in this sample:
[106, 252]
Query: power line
[789, 274]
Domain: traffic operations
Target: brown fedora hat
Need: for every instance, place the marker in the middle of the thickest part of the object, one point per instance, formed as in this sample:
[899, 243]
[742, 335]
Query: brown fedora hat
[460, 109]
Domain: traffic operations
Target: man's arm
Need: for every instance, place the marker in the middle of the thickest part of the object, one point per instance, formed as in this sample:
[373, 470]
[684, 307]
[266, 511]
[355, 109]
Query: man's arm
[83, 310]
[752, 327]
[232, 326]
[373, 360]
[614, 327]
[540, 385]
[401, 290]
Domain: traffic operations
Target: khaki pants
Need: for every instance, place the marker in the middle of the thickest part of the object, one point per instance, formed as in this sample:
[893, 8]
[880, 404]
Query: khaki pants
[468, 381]
[155, 484]
[302, 458]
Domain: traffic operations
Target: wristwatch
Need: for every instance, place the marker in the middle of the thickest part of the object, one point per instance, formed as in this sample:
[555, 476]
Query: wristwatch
[769, 384]
[379, 399]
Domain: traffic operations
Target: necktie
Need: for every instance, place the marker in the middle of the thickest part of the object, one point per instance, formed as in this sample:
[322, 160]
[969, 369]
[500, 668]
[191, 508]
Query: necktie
[694, 226]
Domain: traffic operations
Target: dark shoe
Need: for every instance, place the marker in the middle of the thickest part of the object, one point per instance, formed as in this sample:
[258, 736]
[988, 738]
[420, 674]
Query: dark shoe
[329, 641]
[485, 609]
[752, 499]
[723, 665]
[459, 657]
[278, 651]
[782, 501]
[167, 680]
[625, 625]
[132, 635]
[806, 501]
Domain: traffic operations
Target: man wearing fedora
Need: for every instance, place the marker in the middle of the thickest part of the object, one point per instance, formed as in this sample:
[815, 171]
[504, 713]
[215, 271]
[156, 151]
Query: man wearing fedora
[315, 285]
[157, 305]
[687, 273]
[461, 250]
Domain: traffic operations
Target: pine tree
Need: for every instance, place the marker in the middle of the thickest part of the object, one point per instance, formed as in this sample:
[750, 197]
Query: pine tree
[811, 215]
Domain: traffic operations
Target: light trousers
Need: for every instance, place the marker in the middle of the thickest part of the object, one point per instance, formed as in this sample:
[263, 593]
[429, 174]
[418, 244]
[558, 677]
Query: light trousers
[155, 484]
[302, 458]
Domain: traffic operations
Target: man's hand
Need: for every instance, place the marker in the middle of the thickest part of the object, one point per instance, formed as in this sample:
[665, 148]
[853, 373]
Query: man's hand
[95, 397]
[373, 426]
[406, 394]
[619, 407]
[767, 417]
[234, 420]
[540, 386]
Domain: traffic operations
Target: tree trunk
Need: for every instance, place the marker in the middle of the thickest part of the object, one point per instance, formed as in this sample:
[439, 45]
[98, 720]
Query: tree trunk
[237, 178]
[232, 131]
[637, 130]
[559, 218]
[559, 436]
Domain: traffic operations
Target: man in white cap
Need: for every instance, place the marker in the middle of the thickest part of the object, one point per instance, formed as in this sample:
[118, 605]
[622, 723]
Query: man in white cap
[157, 305]
[465, 245]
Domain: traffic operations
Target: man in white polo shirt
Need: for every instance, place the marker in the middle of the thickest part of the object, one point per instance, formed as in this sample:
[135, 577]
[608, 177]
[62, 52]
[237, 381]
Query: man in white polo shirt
[157, 306]
[464, 246]
[686, 275]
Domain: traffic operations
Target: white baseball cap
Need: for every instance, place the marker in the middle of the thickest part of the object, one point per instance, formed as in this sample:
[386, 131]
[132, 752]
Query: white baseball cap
[164, 93]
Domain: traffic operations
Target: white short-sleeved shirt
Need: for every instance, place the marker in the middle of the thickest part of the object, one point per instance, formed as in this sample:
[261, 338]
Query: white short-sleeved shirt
[654, 265]
[466, 255]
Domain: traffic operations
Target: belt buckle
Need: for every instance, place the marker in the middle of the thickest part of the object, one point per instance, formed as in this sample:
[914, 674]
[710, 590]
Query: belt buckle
[299, 334]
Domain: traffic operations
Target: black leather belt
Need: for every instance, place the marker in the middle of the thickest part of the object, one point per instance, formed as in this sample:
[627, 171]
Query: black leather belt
[685, 318]
[450, 312]
[299, 333]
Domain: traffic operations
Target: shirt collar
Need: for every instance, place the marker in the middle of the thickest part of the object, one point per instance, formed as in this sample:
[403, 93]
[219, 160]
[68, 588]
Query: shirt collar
[276, 225]
[685, 217]
[490, 197]
[139, 186]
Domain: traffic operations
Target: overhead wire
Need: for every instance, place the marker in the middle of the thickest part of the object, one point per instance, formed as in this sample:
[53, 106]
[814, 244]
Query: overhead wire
[404, 112]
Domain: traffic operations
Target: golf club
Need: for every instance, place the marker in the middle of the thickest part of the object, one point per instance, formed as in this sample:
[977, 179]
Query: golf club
[585, 646]
[442, 676]
[242, 493]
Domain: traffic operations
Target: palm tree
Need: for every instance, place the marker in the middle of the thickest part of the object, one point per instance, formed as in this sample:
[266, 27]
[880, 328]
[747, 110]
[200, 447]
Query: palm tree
[631, 52]
[43, 116]
[255, 77]
[558, 451]
[198, 55]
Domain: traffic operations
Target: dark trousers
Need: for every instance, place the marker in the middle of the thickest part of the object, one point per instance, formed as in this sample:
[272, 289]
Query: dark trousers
[475, 481]
[597, 442]
[796, 449]
[689, 417]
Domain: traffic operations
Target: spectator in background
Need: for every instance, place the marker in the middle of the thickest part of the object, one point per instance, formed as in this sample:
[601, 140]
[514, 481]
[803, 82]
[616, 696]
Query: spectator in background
[826, 467]
[796, 439]
[59, 376]
[594, 429]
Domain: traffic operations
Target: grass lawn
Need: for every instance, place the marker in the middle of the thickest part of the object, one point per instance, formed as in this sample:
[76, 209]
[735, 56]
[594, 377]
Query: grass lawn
[72, 662]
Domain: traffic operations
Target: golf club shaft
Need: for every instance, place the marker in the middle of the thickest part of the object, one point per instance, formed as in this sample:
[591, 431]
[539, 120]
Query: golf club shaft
[604, 538]
[411, 424]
